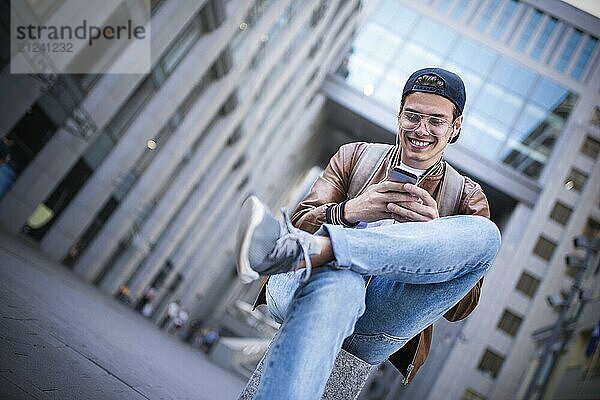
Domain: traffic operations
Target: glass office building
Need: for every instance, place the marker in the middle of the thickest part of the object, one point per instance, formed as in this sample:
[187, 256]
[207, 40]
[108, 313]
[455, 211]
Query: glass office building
[516, 114]
[531, 123]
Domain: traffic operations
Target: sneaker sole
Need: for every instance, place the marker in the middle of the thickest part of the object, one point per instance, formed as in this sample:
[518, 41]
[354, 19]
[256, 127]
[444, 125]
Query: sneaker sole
[251, 215]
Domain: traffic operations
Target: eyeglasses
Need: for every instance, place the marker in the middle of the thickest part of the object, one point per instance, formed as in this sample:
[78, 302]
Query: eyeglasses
[410, 121]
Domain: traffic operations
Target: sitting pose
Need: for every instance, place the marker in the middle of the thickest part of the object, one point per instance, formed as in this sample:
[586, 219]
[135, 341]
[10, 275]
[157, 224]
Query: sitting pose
[368, 262]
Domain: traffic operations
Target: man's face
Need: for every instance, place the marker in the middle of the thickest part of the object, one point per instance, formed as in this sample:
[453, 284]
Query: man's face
[419, 148]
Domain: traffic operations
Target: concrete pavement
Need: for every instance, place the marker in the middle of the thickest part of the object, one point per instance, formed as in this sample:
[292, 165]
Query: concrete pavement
[61, 338]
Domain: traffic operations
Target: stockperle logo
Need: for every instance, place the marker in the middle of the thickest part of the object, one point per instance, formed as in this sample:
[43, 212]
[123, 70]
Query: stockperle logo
[81, 37]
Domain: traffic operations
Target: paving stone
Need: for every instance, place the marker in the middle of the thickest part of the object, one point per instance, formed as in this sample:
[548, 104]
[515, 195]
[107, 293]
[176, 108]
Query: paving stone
[61, 338]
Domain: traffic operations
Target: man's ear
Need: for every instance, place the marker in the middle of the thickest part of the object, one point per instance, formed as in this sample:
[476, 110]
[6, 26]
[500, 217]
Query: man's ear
[456, 127]
[458, 122]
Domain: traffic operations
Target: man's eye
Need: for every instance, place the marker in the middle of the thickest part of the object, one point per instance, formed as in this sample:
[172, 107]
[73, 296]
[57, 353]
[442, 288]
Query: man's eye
[436, 121]
[413, 117]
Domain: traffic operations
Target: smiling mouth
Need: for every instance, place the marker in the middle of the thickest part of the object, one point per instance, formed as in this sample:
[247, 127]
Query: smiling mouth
[421, 144]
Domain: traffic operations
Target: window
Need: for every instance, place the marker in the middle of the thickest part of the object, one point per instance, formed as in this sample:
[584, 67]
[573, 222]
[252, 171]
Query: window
[532, 24]
[491, 363]
[592, 228]
[161, 276]
[576, 180]
[131, 108]
[590, 147]
[460, 9]
[470, 394]
[319, 12]
[543, 39]
[502, 22]
[528, 284]
[473, 56]
[568, 51]
[510, 323]
[443, 5]
[584, 58]
[90, 233]
[544, 248]
[595, 120]
[123, 245]
[54, 205]
[513, 77]
[487, 15]
[35, 128]
[433, 35]
[561, 213]
[549, 95]
[180, 47]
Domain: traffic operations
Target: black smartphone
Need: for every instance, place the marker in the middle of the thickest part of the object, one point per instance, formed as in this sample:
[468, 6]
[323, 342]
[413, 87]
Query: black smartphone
[400, 175]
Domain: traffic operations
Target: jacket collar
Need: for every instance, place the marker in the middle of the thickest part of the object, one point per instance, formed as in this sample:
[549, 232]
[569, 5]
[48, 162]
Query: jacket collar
[435, 172]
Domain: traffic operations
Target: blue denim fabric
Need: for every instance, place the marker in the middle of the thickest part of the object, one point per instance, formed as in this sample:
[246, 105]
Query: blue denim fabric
[420, 270]
[7, 177]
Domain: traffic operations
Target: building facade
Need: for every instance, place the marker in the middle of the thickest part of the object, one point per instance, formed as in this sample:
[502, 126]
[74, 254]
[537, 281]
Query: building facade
[568, 362]
[530, 137]
[134, 181]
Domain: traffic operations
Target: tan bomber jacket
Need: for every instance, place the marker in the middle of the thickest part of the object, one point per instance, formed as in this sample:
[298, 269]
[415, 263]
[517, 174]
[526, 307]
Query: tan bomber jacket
[331, 188]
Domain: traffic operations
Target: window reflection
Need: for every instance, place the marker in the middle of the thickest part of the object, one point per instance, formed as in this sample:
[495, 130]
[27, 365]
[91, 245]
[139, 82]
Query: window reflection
[502, 22]
[443, 5]
[412, 57]
[479, 134]
[531, 26]
[389, 89]
[362, 71]
[384, 14]
[384, 47]
[434, 36]
[543, 39]
[537, 133]
[472, 80]
[548, 94]
[460, 9]
[584, 58]
[513, 115]
[474, 56]
[567, 53]
[495, 101]
[512, 77]
[395, 17]
[378, 42]
[367, 36]
[529, 119]
[487, 15]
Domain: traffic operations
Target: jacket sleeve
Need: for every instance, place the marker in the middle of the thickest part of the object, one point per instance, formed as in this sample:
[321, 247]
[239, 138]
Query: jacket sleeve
[474, 202]
[330, 188]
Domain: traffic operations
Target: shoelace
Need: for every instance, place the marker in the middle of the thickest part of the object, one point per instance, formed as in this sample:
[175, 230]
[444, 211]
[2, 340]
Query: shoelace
[291, 239]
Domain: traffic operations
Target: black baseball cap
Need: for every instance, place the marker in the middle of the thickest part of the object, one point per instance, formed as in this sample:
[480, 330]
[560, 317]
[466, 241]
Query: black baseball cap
[453, 89]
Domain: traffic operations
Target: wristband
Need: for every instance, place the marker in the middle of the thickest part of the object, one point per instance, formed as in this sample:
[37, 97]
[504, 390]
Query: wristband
[328, 210]
[344, 221]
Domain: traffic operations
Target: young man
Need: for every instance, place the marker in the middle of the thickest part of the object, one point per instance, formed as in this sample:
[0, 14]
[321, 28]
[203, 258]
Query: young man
[383, 265]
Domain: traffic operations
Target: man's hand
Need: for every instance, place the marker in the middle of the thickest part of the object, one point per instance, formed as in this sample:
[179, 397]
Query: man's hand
[375, 202]
[424, 208]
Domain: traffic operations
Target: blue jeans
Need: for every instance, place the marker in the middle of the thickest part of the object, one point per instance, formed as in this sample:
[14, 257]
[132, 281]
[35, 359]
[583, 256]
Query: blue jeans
[420, 270]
